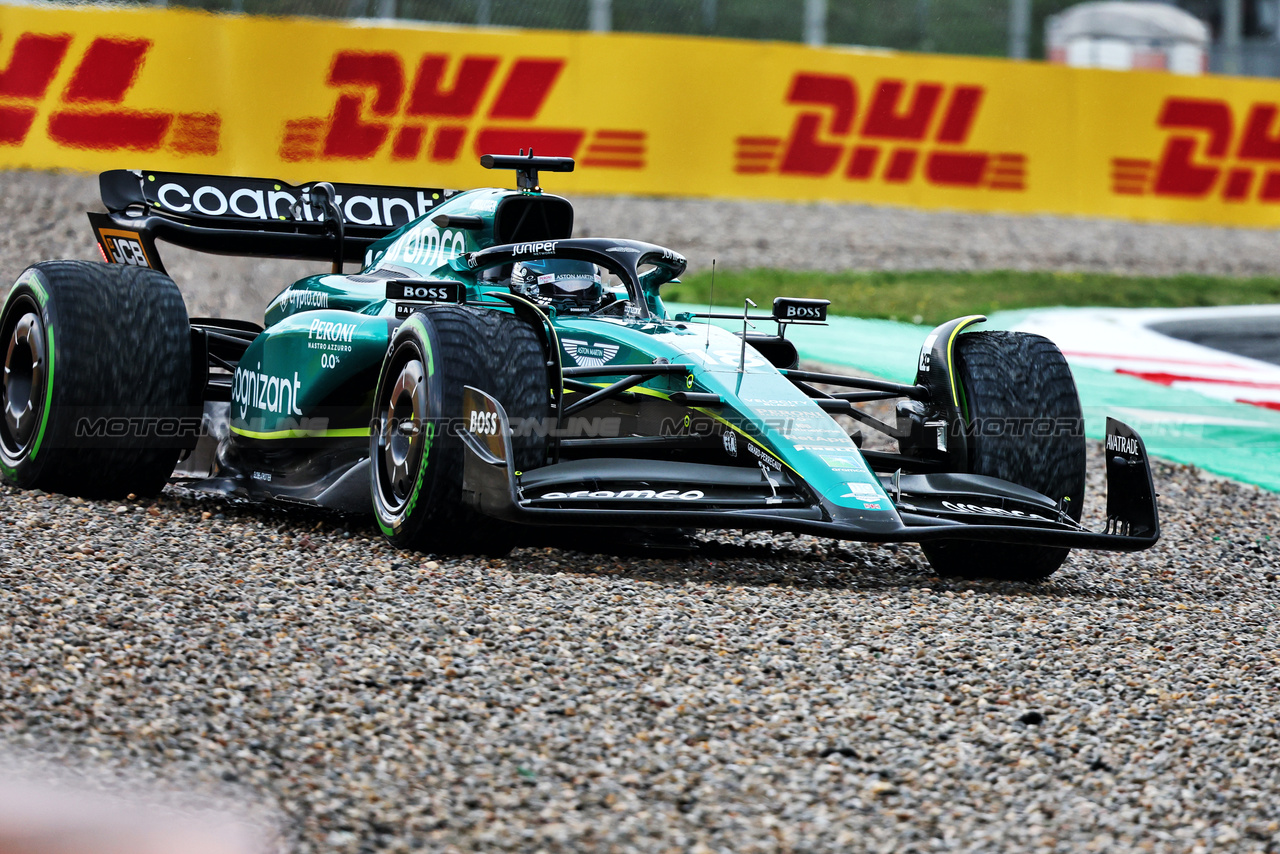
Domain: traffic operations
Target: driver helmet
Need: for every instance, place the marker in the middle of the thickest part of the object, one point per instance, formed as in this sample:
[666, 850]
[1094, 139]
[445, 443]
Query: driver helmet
[567, 285]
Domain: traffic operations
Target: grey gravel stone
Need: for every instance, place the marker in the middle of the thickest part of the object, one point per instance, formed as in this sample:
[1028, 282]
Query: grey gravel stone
[760, 693]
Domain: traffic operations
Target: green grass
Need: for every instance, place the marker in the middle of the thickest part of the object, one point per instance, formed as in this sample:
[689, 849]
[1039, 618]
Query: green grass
[931, 297]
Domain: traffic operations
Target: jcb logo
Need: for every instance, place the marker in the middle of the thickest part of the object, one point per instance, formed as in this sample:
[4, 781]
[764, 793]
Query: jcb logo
[89, 113]
[902, 126]
[122, 247]
[1205, 156]
[381, 111]
[127, 250]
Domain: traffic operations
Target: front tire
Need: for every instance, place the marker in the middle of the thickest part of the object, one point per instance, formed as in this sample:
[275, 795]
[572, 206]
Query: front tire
[1022, 381]
[89, 348]
[416, 453]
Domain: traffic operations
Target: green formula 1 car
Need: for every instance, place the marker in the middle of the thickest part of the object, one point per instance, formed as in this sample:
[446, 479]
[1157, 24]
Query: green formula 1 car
[485, 371]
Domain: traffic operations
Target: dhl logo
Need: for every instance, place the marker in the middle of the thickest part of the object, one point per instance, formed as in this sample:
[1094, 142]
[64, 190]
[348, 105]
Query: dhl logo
[380, 112]
[905, 130]
[89, 112]
[1204, 155]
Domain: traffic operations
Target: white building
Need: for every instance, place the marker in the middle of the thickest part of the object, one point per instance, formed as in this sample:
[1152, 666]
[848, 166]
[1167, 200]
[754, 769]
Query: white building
[1126, 35]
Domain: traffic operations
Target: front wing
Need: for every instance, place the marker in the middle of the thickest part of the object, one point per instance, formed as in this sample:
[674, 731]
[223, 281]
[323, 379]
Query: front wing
[653, 494]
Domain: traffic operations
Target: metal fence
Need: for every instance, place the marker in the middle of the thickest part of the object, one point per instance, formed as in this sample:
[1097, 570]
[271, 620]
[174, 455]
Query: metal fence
[945, 26]
[1258, 57]
[977, 27]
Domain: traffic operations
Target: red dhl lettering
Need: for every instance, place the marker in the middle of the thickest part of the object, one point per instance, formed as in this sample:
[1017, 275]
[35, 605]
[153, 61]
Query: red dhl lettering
[892, 141]
[380, 111]
[33, 62]
[1204, 155]
[91, 114]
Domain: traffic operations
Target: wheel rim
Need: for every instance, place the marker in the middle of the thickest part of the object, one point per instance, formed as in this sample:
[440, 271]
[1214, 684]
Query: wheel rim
[403, 436]
[22, 392]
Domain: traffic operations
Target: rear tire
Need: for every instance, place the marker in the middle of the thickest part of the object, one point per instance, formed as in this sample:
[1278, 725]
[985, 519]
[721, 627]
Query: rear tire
[416, 472]
[84, 341]
[1016, 378]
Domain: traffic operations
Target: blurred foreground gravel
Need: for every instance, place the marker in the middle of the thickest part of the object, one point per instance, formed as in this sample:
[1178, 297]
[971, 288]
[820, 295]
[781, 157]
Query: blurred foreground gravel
[794, 695]
[756, 695]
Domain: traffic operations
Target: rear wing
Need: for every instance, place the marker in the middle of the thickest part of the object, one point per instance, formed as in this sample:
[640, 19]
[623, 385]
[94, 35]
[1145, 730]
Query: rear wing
[257, 217]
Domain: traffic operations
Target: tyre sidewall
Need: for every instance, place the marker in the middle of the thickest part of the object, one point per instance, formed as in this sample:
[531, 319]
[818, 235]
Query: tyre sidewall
[31, 288]
[416, 338]
[459, 346]
[117, 341]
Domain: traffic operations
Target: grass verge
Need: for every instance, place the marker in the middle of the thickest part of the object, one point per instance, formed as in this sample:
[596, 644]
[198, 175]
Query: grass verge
[932, 297]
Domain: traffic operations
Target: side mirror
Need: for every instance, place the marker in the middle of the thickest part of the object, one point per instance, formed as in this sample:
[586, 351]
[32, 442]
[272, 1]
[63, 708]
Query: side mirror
[794, 309]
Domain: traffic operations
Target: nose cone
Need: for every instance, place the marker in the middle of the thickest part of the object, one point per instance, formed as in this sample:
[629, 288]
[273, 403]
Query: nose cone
[861, 503]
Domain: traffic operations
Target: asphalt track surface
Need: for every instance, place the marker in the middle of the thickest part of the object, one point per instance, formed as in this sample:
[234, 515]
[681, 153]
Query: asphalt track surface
[1252, 337]
[756, 694]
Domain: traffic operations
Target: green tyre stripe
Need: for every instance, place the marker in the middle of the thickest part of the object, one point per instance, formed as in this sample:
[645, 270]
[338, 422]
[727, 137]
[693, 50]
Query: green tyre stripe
[416, 323]
[965, 323]
[48, 399]
[32, 281]
[428, 433]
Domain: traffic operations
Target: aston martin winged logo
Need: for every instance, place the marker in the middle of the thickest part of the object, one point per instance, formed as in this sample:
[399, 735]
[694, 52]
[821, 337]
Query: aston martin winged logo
[589, 354]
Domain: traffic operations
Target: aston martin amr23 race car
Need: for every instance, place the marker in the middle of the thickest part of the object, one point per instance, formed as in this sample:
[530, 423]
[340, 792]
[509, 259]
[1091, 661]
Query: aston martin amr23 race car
[485, 371]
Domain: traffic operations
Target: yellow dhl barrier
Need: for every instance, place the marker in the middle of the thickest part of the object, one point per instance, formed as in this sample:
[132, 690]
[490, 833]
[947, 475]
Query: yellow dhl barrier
[93, 89]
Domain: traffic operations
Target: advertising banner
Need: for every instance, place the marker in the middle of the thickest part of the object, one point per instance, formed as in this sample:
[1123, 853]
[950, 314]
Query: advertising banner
[415, 105]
